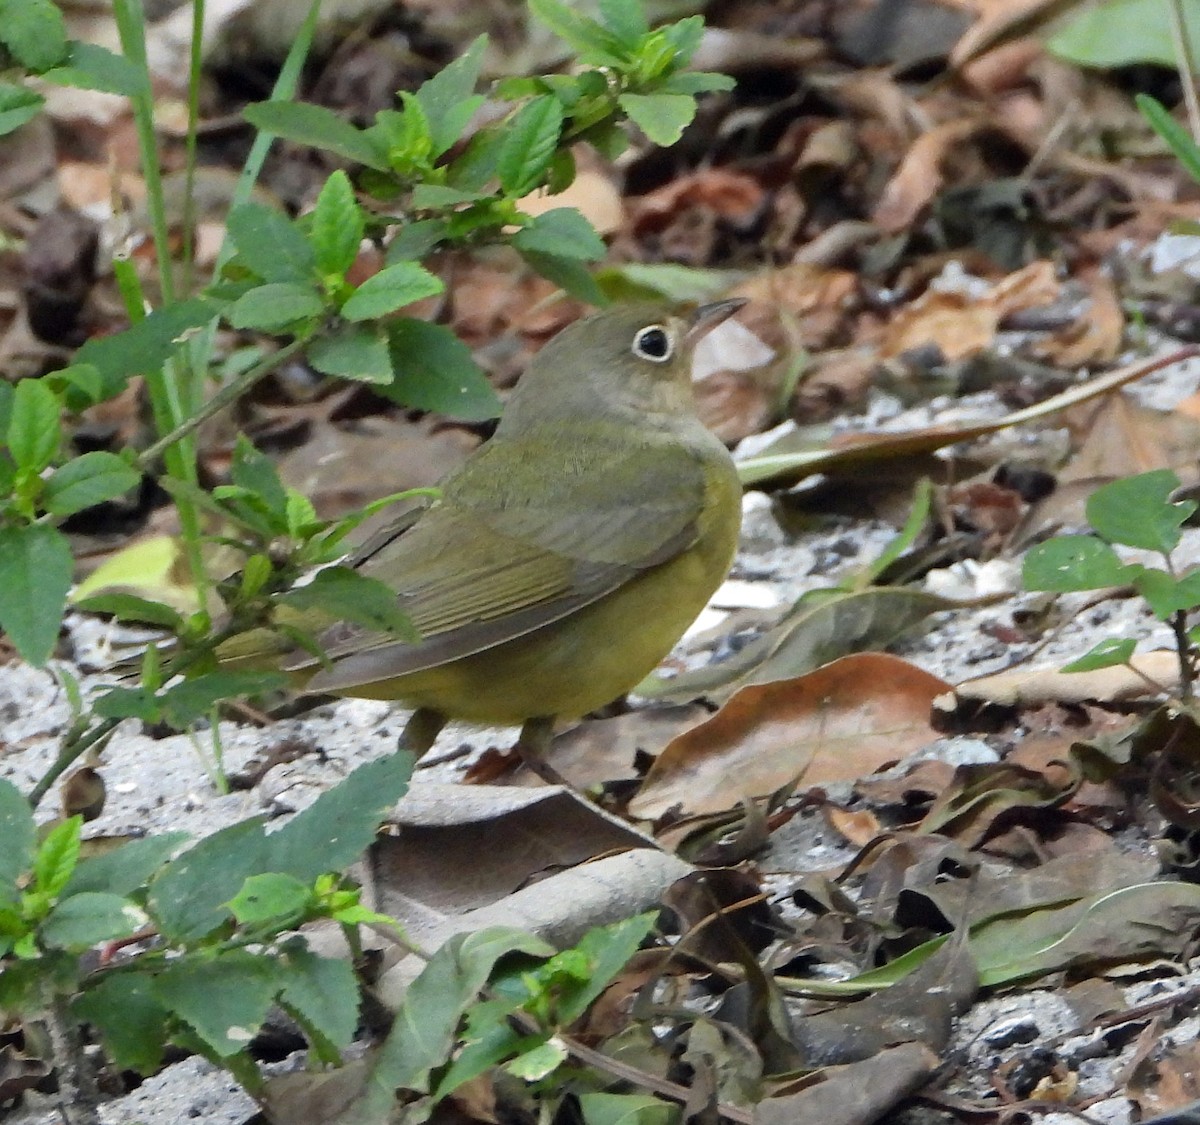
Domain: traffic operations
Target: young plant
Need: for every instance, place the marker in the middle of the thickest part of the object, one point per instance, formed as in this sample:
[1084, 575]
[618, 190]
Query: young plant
[1133, 512]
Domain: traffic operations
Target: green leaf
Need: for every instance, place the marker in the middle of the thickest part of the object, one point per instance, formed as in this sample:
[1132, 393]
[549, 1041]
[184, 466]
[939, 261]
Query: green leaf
[17, 107]
[271, 244]
[353, 351]
[146, 345]
[92, 67]
[317, 126]
[1115, 650]
[437, 196]
[662, 117]
[57, 856]
[185, 703]
[128, 703]
[83, 920]
[34, 32]
[130, 607]
[89, 479]
[568, 274]
[1164, 594]
[225, 1000]
[1072, 562]
[435, 371]
[34, 431]
[449, 99]
[625, 1109]
[593, 43]
[81, 377]
[626, 20]
[530, 141]
[190, 896]
[18, 832]
[346, 594]
[1119, 33]
[125, 869]
[341, 823]
[254, 471]
[424, 1032]
[338, 226]
[414, 240]
[270, 897]
[607, 950]
[538, 1059]
[1178, 139]
[1137, 512]
[694, 82]
[275, 305]
[563, 232]
[323, 992]
[35, 575]
[131, 1020]
[390, 289]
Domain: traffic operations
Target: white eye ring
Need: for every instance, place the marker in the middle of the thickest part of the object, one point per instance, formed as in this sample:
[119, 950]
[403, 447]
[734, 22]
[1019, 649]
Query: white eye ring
[654, 343]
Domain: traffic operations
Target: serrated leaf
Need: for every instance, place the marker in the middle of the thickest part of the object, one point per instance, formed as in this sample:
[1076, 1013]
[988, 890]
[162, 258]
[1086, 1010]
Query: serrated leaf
[17, 830]
[437, 196]
[271, 244]
[131, 1019]
[18, 106]
[414, 240]
[1072, 562]
[92, 67]
[1137, 512]
[323, 992]
[337, 226]
[34, 32]
[569, 274]
[626, 20]
[146, 345]
[607, 950]
[34, 430]
[225, 1000]
[449, 99]
[564, 232]
[591, 42]
[353, 351]
[88, 480]
[254, 471]
[84, 920]
[35, 575]
[125, 869]
[435, 371]
[130, 607]
[270, 897]
[347, 595]
[692, 82]
[315, 125]
[423, 1034]
[341, 823]
[530, 141]
[275, 305]
[390, 289]
[185, 703]
[662, 117]
[1114, 650]
[57, 856]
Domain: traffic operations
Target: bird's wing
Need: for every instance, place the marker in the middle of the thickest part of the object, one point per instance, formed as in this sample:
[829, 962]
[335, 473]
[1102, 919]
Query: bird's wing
[488, 564]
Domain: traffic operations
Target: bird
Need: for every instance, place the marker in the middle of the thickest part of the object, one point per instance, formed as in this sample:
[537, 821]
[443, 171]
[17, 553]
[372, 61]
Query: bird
[566, 556]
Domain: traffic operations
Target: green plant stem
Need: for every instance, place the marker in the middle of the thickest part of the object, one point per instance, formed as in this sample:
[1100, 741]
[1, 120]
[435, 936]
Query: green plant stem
[72, 749]
[195, 64]
[226, 396]
[1187, 65]
[1183, 647]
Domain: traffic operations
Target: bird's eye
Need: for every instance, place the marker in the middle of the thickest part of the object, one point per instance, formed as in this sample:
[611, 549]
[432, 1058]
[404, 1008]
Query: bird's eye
[653, 343]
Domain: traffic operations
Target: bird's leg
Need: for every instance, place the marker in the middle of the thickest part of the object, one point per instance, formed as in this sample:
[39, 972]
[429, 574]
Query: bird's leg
[421, 730]
[533, 745]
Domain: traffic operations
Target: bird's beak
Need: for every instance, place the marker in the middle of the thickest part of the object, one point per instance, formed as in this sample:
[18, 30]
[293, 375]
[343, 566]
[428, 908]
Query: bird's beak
[710, 315]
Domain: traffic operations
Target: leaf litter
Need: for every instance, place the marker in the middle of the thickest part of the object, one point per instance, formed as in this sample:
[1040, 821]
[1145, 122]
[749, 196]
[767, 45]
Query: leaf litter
[888, 854]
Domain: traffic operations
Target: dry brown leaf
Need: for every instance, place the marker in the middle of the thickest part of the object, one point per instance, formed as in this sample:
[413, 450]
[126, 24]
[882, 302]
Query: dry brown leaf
[1096, 337]
[838, 723]
[1121, 437]
[1021, 687]
[859, 827]
[919, 178]
[723, 191]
